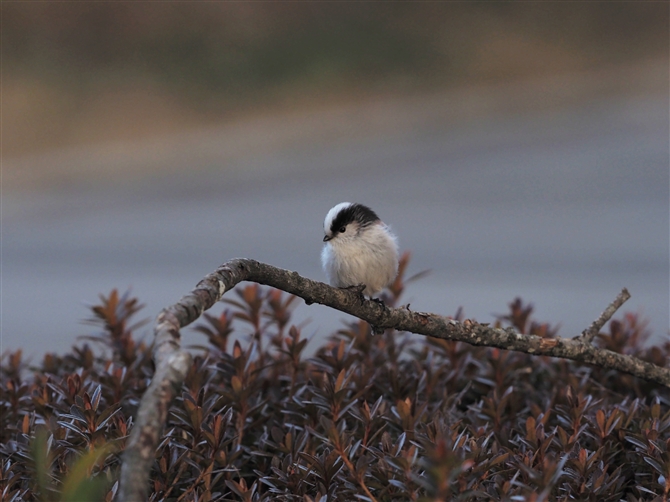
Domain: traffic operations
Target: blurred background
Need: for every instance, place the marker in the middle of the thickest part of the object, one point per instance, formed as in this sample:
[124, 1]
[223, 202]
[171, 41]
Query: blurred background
[517, 149]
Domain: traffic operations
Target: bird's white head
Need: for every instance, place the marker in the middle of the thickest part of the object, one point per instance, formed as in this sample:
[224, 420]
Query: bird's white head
[346, 220]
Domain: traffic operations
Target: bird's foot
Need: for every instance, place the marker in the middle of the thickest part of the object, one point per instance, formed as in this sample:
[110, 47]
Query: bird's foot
[379, 302]
[358, 289]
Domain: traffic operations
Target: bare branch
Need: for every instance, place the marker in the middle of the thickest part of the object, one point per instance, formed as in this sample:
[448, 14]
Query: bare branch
[172, 366]
[589, 334]
[172, 363]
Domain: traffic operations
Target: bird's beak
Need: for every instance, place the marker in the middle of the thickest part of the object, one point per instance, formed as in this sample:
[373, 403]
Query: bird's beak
[326, 238]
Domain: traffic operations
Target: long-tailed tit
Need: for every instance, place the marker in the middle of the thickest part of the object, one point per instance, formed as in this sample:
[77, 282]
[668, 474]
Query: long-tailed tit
[359, 249]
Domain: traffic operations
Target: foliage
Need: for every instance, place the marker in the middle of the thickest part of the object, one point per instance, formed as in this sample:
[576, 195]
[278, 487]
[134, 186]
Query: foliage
[245, 49]
[389, 417]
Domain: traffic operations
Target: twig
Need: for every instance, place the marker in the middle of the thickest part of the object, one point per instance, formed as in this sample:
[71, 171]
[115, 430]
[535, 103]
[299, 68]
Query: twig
[589, 334]
[194, 484]
[354, 473]
[175, 480]
[172, 363]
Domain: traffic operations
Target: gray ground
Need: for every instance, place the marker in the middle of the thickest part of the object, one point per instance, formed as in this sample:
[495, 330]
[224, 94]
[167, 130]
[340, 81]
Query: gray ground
[562, 204]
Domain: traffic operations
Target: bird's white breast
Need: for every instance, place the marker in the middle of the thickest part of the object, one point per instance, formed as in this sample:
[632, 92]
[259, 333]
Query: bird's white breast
[370, 258]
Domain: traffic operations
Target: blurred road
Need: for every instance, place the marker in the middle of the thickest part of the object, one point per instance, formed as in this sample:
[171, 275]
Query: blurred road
[562, 206]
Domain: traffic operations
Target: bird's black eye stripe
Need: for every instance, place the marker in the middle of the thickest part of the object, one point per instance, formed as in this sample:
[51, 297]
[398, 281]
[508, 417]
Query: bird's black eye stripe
[359, 213]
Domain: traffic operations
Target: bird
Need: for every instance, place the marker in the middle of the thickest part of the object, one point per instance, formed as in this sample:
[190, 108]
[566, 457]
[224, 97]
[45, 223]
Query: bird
[359, 251]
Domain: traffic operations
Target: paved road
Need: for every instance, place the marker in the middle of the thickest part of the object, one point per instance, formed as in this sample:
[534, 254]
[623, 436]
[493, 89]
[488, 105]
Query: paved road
[562, 206]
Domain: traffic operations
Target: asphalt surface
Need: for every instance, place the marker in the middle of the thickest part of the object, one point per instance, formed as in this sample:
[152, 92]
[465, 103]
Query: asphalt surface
[560, 205]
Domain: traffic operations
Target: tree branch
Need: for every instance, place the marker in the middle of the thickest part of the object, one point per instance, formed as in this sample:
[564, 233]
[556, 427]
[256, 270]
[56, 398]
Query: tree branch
[172, 362]
[589, 334]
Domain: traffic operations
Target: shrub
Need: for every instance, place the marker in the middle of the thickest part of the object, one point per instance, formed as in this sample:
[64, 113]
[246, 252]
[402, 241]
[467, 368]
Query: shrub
[389, 417]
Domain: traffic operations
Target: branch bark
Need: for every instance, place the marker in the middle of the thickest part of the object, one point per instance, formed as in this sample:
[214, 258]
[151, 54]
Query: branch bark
[172, 362]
